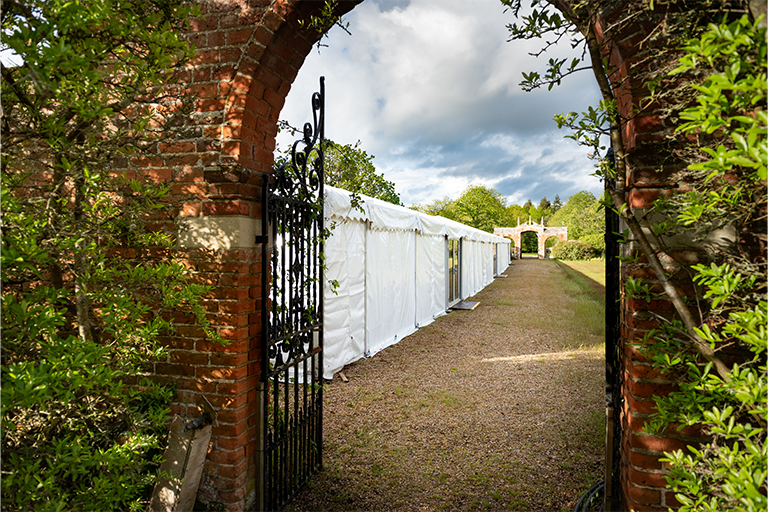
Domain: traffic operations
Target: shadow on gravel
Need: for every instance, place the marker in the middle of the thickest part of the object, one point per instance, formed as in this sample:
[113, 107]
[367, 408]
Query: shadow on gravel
[499, 408]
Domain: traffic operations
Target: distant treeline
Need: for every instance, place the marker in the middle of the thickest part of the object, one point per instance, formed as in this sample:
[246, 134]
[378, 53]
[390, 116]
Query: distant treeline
[485, 208]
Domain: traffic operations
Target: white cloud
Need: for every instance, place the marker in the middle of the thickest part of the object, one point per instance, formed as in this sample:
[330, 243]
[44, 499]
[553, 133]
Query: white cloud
[431, 88]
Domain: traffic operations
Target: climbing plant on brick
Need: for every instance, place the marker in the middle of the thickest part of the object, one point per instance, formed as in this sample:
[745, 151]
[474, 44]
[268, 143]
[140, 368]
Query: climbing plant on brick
[727, 191]
[710, 83]
[89, 278]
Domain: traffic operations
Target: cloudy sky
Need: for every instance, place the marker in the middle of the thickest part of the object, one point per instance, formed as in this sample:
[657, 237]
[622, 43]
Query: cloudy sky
[430, 87]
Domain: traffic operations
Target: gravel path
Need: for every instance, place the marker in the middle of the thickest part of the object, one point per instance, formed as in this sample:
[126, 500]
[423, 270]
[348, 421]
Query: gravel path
[499, 408]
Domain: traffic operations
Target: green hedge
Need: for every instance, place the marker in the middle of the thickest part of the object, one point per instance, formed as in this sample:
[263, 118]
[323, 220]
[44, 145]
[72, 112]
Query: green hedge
[573, 250]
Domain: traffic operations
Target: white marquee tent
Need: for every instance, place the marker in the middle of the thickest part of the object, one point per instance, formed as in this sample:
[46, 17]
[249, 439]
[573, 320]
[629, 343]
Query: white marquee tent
[391, 266]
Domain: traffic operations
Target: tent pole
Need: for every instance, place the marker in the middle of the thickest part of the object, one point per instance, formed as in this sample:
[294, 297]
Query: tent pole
[446, 248]
[461, 268]
[415, 279]
[365, 287]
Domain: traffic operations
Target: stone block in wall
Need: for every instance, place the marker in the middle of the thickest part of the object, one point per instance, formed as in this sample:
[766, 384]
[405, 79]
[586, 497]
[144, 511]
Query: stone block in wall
[217, 232]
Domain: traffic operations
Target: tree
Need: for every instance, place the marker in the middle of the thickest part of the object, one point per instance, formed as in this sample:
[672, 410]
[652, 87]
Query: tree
[83, 303]
[544, 211]
[532, 212]
[442, 207]
[581, 215]
[596, 241]
[714, 93]
[556, 204]
[528, 211]
[480, 207]
[350, 168]
[528, 205]
[529, 242]
[515, 214]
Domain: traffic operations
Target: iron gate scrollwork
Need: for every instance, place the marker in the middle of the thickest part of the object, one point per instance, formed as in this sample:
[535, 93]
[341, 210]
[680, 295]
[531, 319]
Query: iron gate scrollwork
[292, 296]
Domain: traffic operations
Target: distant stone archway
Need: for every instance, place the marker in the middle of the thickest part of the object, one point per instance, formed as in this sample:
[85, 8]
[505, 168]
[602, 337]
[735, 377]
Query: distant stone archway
[543, 233]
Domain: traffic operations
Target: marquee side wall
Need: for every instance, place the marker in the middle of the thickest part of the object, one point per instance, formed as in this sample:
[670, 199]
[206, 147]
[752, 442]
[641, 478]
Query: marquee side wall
[390, 266]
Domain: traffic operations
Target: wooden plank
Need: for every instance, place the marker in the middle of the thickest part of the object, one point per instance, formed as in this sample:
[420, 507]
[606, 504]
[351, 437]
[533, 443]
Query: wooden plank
[183, 468]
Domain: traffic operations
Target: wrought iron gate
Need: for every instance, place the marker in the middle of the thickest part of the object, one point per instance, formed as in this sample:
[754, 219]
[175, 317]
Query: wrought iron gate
[292, 311]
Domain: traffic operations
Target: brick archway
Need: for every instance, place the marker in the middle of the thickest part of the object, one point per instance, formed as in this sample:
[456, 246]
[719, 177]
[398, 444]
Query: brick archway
[543, 233]
[249, 55]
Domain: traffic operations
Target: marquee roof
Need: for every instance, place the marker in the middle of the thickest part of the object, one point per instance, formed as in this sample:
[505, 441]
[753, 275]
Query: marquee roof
[389, 217]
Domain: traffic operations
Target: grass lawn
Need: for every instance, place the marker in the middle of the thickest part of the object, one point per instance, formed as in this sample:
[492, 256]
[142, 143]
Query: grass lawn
[593, 269]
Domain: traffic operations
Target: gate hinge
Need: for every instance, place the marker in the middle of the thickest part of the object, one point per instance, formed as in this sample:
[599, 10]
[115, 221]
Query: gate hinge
[262, 239]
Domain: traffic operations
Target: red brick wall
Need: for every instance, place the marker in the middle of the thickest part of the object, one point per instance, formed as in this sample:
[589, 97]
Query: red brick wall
[225, 375]
[651, 162]
[248, 54]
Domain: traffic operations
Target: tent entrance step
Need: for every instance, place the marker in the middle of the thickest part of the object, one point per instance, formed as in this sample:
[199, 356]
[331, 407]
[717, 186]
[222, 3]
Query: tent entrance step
[464, 305]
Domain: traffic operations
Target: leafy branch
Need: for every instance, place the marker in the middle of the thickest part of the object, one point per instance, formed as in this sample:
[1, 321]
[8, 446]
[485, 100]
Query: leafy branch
[710, 81]
[323, 22]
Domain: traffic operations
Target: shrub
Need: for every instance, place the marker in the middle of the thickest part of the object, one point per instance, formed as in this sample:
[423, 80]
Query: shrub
[596, 241]
[83, 309]
[572, 250]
